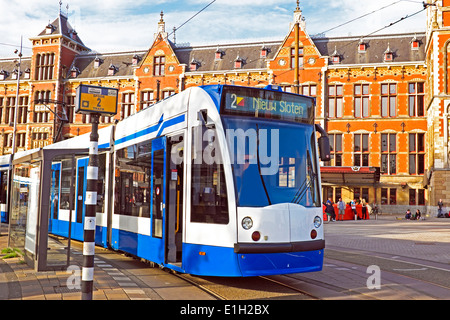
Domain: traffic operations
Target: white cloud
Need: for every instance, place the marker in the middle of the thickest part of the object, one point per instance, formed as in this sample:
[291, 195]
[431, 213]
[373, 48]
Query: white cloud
[115, 25]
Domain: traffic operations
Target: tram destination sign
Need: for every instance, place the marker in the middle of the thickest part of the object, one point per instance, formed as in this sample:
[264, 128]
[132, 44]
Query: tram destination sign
[93, 99]
[267, 104]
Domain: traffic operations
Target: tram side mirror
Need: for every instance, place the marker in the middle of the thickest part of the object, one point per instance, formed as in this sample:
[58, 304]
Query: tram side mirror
[202, 116]
[324, 148]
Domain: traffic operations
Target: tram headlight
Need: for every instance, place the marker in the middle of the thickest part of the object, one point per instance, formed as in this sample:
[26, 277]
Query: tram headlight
[247, 223]
[317, 222]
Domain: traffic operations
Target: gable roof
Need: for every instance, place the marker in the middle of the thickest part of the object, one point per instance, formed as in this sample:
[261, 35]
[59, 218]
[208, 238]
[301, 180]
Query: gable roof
[61, 26]
[121, 60]
[249, 53]
[347, 48]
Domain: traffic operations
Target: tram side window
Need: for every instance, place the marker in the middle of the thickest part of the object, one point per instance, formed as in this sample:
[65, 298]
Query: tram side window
[3, 187]
[66, 179]
[101, 182]
[132, 180]
[208, 191]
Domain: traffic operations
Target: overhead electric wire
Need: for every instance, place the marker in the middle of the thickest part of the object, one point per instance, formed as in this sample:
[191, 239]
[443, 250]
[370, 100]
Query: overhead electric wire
[363, 16]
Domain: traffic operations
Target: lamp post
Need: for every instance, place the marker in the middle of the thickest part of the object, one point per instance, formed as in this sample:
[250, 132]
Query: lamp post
[17, 98]
[19, 52]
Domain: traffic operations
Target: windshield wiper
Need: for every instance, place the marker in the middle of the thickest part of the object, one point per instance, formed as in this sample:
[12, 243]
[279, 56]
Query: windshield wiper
[259, 165]
[307, 184]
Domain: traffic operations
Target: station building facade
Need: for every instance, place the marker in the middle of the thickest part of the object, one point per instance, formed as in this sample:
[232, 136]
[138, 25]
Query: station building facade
[382, 99]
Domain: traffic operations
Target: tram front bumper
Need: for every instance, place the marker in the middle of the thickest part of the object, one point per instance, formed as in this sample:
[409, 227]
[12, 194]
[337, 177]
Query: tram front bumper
[281, 258]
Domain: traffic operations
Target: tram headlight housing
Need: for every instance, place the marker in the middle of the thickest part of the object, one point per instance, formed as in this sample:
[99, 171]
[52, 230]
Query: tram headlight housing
[247, 223]
[317, 222]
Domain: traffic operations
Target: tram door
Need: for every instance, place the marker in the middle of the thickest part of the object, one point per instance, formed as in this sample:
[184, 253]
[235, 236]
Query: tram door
[174, 210]
[158, 192]
[80, 196]
[53, 225]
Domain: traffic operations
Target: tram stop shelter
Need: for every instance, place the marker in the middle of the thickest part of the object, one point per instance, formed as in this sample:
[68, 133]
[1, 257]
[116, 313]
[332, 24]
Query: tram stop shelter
[33, 192]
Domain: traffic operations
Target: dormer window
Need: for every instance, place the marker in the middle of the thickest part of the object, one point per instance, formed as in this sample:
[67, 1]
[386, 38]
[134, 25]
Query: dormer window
[97, 62]
[73, 34]
[362, 46]
[415, 44]
[74, 72]
[49, 28]
[3, 74]
[27, 73]
[112, 70]
[135, 60]
[335, 57]
[264, 52]
[219, 54]
[388, 55]
[14, 74]
[238, 63]
[194, 65]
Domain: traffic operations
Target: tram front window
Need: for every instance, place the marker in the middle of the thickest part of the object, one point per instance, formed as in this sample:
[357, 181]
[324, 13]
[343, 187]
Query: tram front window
[273, 162]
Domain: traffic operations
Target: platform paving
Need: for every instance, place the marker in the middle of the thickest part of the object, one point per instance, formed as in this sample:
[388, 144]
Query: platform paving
[116, 277]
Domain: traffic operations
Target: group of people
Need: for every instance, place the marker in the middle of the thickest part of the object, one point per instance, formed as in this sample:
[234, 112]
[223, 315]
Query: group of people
[341, 205]
[410, 216]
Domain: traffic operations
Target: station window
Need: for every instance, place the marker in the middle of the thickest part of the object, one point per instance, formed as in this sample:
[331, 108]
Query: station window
[416, 153]
[361, 193]
[388, 153]
[361, 93]
[300, 58]
[335, 101]
[309, 90]
[336, 150]
[361, 150]
[416, 96]
[388, 196]
[159, 66]
[416, 197]
[388, 100]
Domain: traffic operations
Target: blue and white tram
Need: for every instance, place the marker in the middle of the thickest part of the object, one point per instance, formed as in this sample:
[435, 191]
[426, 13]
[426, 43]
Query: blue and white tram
[68, 187]
[220, 181]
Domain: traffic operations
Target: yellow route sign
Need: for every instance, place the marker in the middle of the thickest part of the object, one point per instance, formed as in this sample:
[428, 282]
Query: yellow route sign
[92, 99]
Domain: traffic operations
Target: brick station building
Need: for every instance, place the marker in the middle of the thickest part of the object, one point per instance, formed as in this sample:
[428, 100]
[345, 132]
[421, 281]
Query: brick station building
[382, 99]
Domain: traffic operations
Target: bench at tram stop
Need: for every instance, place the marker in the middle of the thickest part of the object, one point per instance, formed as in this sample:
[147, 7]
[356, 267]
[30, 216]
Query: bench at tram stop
[349, 215]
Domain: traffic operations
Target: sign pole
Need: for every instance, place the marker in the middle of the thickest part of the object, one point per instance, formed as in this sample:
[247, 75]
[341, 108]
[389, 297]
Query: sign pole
[94, 101]
[87, 278]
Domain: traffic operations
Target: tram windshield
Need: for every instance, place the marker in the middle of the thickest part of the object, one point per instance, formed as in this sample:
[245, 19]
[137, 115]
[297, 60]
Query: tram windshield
[273, 161]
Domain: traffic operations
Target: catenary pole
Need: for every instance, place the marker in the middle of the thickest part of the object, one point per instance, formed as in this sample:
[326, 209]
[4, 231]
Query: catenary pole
[87, 274]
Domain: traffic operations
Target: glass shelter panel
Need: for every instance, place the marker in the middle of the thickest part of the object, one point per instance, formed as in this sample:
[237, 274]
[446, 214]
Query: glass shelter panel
[24, 208]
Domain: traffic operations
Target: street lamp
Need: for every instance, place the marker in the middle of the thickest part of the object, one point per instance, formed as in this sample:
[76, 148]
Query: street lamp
[19, 53]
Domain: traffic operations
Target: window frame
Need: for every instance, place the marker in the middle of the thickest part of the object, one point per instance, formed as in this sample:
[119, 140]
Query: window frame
[361, 100]
[335, 101]
[388, 100]
[159, 65]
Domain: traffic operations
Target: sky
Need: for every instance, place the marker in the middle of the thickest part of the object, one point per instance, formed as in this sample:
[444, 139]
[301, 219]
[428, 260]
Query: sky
[129, 25]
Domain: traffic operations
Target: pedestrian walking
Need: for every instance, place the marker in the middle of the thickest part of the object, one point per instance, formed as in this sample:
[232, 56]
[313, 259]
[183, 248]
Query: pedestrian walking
[364, 209]
[440, 205]
[353, 205]
[341, 208]
[329, 210]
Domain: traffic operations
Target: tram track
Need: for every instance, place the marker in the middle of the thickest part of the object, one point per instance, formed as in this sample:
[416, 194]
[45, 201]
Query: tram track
[252, 288]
